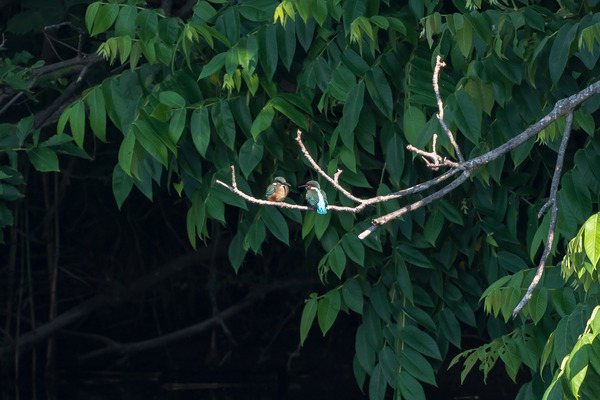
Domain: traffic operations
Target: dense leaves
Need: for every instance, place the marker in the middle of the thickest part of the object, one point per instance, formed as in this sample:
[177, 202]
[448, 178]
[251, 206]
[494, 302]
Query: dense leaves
[230, 84]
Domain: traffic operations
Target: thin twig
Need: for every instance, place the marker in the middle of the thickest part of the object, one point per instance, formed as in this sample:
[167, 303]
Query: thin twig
[234, 188]
[318, 169]
[436, 88]
[553, 205]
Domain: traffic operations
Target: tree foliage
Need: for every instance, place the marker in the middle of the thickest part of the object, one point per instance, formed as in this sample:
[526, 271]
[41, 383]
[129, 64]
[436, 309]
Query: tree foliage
[231, 82]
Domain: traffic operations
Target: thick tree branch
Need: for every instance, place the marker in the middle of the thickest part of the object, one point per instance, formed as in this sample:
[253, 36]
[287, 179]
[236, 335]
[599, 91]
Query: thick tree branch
[251, 298]
[112, 297]
[553, 204]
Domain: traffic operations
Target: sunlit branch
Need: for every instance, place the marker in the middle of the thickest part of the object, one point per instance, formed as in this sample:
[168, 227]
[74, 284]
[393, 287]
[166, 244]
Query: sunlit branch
[315, 166]
[553, 205]
[378, 222]
[561, 108]
[436, 88]
[234, 189]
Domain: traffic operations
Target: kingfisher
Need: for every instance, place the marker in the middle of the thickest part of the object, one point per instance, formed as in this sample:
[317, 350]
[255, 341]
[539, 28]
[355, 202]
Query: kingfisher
[278, 190]
[315, 197]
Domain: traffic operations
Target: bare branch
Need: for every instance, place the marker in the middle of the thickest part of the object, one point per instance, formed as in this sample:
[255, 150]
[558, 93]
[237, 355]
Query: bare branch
[561, 108]
[377, 223]
[432, 159]
[552, 203]
[436, 88]
[233, 188]
[316, 167]
[252, 297]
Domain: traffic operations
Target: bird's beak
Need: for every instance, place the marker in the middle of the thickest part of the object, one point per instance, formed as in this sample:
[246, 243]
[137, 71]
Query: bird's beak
[301, 186]
[286, 184]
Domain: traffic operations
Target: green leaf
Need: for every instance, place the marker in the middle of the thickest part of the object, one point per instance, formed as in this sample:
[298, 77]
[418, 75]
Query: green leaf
[256, 236]
[236, 251]
[308, 316]
[24, 127]
[337, 261]
[464, 38]
[414, 256]
[403, 277]
[559, 53]
[420, 341]
[353, 296]
[122, 184]
[125, 24]
[387, 360]
[364, 352]
[465, 115]
[348, 158]
[591, 238]
[267, 49]
[414, 122]
[522, 152]
[433, 226]
[90, 15]
[286, 42]
[328, 309]
[263, 120]
[171, 99]
[64, 118]
[537, 304]
[290, 111]
[417, 365]
[355, 62]
[147, 21]
[43, 159]
[126, 152]
[585, 121]
[421, 317]
[449, 327]
[321, 224]
[377, 384]
[247, 54]
[105, 16]
[276, 223]
[250, 155]
[95, 101]
[410, 387]
[150, 141]
[351, 114]
[354, 248]
[200, 130]
[177, 124]
[214, 65]
[394, 157]
[380, 302]
[77, 122]
[352, 9]
[380, 91]
[319, 11]
[224, 122]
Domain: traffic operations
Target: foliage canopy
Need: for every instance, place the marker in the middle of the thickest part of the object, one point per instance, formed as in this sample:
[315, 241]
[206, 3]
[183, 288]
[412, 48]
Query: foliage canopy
[231, 82]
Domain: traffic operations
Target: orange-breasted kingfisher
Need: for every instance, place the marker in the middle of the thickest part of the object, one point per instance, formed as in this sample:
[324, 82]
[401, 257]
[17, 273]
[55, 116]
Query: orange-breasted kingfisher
[278, 190]
[315, 197]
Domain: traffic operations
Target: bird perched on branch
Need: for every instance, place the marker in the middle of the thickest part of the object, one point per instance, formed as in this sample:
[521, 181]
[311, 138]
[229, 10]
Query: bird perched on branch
[278, 190]
[315, 197]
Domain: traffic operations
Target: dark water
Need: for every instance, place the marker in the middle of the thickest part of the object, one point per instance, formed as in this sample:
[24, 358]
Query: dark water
[247, 386]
